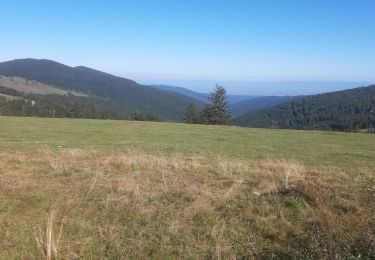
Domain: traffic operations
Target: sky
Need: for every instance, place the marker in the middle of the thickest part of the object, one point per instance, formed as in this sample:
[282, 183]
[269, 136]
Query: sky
[166, 41]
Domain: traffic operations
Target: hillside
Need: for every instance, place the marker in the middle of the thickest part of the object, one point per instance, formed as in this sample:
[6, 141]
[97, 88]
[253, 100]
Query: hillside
[257, 103]
[346, 110]
[5, 97]
[119, 94]
[103, 189]
[34, 87]
[203, 97]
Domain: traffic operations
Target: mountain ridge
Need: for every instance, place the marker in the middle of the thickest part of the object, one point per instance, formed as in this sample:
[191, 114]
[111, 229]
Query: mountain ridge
[122, 94]
[257, 103]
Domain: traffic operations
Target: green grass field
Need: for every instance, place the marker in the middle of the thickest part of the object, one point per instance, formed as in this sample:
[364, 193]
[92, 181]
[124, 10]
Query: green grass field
[314, 148]
[101, 189]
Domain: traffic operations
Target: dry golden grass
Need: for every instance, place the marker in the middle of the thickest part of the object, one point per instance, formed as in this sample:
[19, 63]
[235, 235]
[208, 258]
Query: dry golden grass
[30, 86]
[8, 97]
[76, 203]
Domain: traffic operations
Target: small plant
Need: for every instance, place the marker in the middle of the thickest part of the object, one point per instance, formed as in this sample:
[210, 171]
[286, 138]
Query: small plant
[47, 242]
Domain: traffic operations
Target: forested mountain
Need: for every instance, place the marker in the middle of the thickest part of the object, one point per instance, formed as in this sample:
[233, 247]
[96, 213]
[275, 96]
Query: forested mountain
[257, 103]
[346, 110]
[114, 93]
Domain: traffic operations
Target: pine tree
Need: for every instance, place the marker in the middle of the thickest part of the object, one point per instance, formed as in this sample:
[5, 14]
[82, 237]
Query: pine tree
[216, 112]
[191, 115]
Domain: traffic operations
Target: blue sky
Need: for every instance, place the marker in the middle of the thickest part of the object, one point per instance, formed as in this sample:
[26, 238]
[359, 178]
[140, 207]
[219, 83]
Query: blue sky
[299, 40]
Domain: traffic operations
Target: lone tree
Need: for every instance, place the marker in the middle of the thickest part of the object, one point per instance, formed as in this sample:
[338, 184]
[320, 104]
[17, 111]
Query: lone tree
[191, 115]
[216, 112]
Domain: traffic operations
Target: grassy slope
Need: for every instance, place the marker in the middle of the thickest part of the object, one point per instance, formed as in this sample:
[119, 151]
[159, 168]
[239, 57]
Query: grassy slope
[9, 97]
[29, 86]
[314, 148]
[137, 190]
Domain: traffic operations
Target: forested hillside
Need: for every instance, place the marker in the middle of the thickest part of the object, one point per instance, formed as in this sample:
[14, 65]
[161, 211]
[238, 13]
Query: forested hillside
[257, 103]
[14, 103]
[347, 110]
[120, 94]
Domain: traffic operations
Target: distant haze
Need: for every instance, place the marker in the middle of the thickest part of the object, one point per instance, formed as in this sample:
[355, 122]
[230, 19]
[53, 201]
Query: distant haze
[261, 88]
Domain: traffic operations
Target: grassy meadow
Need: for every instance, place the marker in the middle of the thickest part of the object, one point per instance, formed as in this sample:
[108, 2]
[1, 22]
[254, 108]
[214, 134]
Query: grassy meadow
[101, 189]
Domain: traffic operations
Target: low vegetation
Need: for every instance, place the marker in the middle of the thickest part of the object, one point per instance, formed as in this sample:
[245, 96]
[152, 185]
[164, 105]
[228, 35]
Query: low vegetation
[74, 203]
[115, 189]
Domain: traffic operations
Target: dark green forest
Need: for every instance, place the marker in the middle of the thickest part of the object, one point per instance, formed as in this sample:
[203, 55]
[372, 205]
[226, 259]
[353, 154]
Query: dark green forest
[63, 107]
[347, 110]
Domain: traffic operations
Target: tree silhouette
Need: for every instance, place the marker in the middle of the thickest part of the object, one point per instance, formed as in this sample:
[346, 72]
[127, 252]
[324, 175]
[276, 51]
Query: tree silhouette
[216, 112]
[191, 115]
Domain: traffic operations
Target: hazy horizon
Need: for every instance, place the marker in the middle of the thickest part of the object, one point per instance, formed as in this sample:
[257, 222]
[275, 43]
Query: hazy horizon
[260, 88]
[249, 87]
